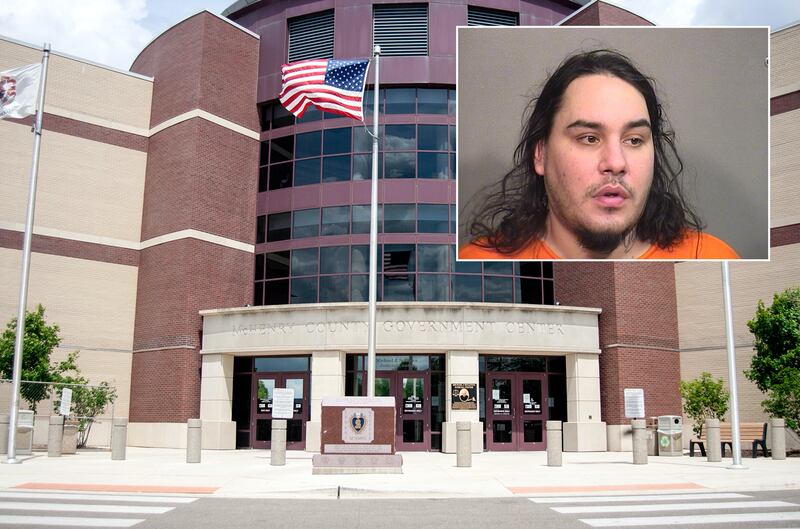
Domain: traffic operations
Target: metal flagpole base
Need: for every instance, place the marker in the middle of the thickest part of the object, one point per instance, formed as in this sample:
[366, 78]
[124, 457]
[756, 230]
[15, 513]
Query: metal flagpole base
[736, 467]
[14, 461]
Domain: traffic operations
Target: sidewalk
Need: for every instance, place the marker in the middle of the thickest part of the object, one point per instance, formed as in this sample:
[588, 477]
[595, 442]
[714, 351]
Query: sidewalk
[247, 473]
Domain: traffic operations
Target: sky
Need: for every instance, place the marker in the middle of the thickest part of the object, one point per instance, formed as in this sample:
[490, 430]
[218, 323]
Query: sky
[113, 32]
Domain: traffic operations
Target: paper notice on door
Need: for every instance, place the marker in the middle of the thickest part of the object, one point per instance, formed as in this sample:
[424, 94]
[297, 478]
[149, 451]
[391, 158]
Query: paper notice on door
[495, 394]
[526, 398]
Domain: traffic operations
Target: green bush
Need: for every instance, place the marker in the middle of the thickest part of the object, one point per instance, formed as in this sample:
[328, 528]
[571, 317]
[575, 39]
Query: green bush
[704, 398]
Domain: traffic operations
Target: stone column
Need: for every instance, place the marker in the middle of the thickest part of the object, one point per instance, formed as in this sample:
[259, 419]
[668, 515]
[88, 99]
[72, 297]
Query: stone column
[327, 380]
[583, 431]
[777, 436]
[55, 435]
[277, 451]
[713, 448]
[463, 444]
[119, 438]
[461, 367]
[639, 429]
[4, 420]
[194, 443]
[216, 402]
[554, 443]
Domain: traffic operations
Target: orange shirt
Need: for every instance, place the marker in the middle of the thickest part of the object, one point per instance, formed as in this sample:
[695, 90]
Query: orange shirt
[694, 245]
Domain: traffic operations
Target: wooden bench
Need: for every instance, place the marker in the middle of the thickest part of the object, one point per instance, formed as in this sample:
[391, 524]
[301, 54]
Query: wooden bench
[749, 432]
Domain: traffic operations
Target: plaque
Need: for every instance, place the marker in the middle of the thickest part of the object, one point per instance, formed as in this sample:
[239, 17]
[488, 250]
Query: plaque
[634, 403]
[358, 425]
[283, 403]
[464, 396]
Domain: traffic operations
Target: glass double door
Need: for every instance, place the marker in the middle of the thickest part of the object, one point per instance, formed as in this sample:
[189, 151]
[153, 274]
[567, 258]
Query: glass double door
[411, 390]
[264, 385]
[516, 411]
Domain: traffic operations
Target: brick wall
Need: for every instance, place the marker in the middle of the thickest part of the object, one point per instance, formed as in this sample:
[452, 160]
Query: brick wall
[602, 14]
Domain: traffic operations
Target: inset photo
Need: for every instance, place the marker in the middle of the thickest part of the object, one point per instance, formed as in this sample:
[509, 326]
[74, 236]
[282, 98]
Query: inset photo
[613, 143]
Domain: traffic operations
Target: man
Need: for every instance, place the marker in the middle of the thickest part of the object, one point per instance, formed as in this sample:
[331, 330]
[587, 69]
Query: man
[595, 176]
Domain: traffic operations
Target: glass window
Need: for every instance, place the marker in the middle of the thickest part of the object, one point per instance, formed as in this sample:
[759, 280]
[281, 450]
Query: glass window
[369, 102]
[277, 265]
[398, 287]
[400, 165]
[336, 141]
[433, 165]
[258, 293]
[452, 138]
[333, 289]
[261, 229]
[361, 219]
[266, 117]
[398, 258]
[304, 290]
[281, 117]
[498, 268]
[432, 257]
[399, 218]
[282, 149]
[362, 166]
[279, 227]
[308, 144]
[533, 269]
[432, 138]
[334, 259]
[359, 262]
[312, 113]
[498, 289]
[452, 218]
[432, 100]
[401, 101]
[276, 292]
[547, 270]
[531, 291]
[281, 364]
[402, 363]
[259, 267]
[263, 156]
[433, 287]
[305, 223]
[466, 288]
[336, 220]
[336, 168]
[451, 102]
[548, 296]
[432, 218]
[400, 138]
[359, 288]
[306, 172]
[304, 262]
[452, 165]
[280, 175]
[362, 141]
[263, 179]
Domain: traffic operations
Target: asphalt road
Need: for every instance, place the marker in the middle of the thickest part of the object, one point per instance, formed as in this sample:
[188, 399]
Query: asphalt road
[741, 510]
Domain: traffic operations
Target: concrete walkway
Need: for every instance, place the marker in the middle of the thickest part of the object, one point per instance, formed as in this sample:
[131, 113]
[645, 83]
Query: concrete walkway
[247, 473]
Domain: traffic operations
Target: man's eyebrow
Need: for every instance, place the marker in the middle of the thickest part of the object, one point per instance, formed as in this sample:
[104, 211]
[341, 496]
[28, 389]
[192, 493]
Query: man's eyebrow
[583, 124]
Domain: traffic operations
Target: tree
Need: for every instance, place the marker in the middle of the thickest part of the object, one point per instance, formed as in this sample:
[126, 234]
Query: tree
[704, 398]
[87, 402]
[775, 368]
[39, 341]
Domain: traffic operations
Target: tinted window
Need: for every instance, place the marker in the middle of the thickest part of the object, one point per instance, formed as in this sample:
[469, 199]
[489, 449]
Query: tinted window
[305, 223]
[279, 227]
[399, 218]
[432, 218]
[306, 172]
[433, 138]
[304, 290]
[336, 220]
[334, 260]
[261, 229]
[336, 141]
[282, 149]
[466, 288]
[276, 292]
[432, 100]
[433, 165]
[280, 175]
[277, 265]
[308, 144]
[333, 289]
[400, 165]
[400, 138]
[432, 257]
[336, 168]
[400, 101]
[304, 262]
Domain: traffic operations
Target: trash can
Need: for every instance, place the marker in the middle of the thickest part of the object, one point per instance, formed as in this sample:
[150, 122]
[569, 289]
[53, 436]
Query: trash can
[670, 435]
[652, 436]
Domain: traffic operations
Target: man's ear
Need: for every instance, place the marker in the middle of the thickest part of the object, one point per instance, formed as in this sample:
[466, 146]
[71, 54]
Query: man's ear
[538, 158]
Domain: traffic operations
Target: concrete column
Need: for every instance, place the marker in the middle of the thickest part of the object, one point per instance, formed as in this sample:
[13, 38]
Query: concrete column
[639, 428]
[583, 431]
[277, 452]
[778, 438]
[216, 402]
[464, 444]
[119, 438]
[4, 420]
[327, 380]
[55, 436]
[194, 439]
[554, 443]
[713, 448]
[460, 367]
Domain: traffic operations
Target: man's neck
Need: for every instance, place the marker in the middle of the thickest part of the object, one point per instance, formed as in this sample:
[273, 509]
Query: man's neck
[563, 242]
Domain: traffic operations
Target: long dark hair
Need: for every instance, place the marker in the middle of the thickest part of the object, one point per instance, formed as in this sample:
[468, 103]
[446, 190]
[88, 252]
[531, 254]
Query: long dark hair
[514, 213]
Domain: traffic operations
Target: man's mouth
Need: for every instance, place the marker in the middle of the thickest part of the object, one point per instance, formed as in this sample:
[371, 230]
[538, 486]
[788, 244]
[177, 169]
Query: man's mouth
[611, 196]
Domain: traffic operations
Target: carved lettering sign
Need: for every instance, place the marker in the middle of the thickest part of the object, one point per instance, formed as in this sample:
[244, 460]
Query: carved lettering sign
[402, 326]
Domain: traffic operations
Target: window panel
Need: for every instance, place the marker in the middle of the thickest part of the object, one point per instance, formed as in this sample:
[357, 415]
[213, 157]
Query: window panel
[399, 258]
[309, 144]
[281, 117]
[279, 226]
[311, 36]
[432, 100]
[433, 287]
[359, 262]
[334, 289]
[263, 155]
[531, 291]
[401, 101]
[306, 172]
[532, 269]
[334, 259]
[401, 29]
[305, 262]
[277, 265]
[336, 220]
[359, 288]
[258, 293]
[398, 287]
[433, 165]
[305, 223]
[263, 179]
[451, 102]
[498, 289]
[336, 141]
[280, 176]
[336, 168]
[400, 138]
[432, 138]
[432, 218]
[312, 113]
[276, 292]
[259, 267]
[490, 267]
[466, 288]
[399, 218]
[432, 257]
[362, 166]
[261, 229]
[400, 165]
[282, 149]
[304, 290]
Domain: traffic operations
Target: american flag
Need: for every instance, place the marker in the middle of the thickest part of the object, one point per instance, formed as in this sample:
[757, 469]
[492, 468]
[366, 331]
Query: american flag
[329, 84]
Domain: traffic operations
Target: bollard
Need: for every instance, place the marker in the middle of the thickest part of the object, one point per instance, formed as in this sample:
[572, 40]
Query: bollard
[778, 438]
[119, 438]
[639, 441]
[554, 443]
[713, 446]
[463, 444]
[194, 436]
[55, 436]
[4, 433]
[277, 452]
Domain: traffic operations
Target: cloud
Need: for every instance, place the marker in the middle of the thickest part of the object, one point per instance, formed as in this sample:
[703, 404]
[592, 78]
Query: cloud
[664, 12]
[110, 32]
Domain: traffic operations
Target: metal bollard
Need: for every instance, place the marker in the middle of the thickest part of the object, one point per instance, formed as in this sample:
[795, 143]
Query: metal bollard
[55, 436]
[639, 427]
[277, 452]
[713, 446]
[463, 444]
[194, 436]
[119, 438]
[554, 443]
[4, 420]
[778, 439]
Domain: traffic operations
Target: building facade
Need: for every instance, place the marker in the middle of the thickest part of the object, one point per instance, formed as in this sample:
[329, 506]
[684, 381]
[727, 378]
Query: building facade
[202, 247]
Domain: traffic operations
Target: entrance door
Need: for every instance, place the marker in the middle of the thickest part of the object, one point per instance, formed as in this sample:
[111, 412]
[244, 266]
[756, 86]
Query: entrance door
[411, 390]
[516, 411]
[264, 385]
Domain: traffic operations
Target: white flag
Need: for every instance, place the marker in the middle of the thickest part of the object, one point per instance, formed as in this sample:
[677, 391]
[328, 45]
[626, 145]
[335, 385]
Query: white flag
[18, 90]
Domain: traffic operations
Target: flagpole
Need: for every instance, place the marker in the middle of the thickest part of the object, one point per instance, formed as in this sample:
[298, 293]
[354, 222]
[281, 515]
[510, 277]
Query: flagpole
[26, 265]
[736, 446]
[373, 234]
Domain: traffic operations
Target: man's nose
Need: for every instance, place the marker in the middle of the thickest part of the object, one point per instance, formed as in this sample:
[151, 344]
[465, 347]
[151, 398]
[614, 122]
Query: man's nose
[612, 159]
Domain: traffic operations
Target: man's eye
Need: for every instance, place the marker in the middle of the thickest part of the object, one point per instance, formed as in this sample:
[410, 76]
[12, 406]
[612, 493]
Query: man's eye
[589, 140]
[635, 141]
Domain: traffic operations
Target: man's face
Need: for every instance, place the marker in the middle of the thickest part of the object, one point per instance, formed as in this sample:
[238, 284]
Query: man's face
[597, 161]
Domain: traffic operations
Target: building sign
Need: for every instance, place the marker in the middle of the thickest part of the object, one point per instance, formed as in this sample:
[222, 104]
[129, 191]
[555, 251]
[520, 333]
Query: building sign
[463, 396]
[66, 402]
[283, 403]
[358, 425]
[634, 403]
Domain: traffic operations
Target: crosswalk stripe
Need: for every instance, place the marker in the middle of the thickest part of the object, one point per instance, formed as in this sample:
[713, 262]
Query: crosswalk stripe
[143, 498]
[673, 507]
[694, 519]
[62, 521]
[641, 497]
[81, 507]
